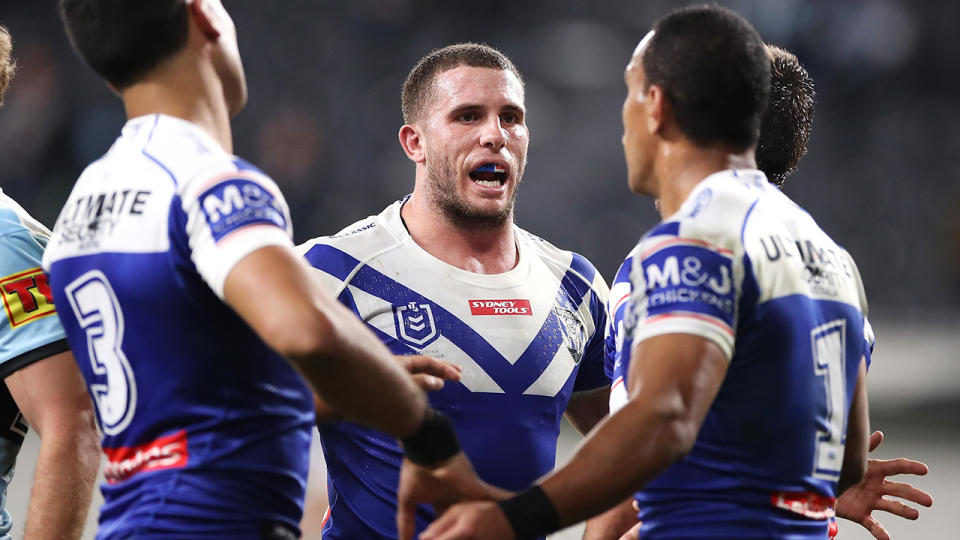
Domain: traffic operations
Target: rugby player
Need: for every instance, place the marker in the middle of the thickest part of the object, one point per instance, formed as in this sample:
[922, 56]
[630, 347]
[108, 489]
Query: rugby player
[43, 385]
[784, 131]
[193, 320]
[746, 410]
[445, 272]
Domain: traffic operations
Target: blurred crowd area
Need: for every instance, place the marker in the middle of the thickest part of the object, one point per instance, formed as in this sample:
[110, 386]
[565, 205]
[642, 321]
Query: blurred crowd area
[324, 76]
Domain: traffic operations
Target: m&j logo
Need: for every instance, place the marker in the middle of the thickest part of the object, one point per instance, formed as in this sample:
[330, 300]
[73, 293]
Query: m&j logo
[415, 324]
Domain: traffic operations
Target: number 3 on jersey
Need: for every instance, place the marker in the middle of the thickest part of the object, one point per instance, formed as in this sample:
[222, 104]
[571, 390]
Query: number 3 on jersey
[829, 352]
[95, 305]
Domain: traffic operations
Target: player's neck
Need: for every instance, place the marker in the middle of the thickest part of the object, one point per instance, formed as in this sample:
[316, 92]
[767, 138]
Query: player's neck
[185, 96]
[684, 167]
[482, 251]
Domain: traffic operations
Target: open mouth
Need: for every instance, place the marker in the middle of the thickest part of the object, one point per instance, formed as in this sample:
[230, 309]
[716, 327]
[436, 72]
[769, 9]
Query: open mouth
[489, 175]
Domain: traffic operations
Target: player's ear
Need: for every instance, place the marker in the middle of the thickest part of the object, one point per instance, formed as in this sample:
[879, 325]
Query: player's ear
[411, 143]
[657, 109]
[202, 13]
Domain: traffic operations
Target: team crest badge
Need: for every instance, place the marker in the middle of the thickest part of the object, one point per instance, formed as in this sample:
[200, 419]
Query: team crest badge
[574, 334]
[415, 324]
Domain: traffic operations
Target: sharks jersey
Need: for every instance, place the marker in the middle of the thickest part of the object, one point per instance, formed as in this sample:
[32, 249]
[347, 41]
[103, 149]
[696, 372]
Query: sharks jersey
[526, 339]
[206, 429]
[29, 331]
[742, 265]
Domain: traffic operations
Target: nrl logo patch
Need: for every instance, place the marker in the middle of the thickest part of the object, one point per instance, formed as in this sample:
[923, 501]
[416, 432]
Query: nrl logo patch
[574, 334]
[415, 324]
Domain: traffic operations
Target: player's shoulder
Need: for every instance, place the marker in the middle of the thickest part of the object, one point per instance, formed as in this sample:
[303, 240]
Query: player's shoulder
[713, 216]
[623, 271]
[359, 241]
[15, 221]
[620, 285]
[10, 220]
[562, 262]
[182, 151]
[358, 234]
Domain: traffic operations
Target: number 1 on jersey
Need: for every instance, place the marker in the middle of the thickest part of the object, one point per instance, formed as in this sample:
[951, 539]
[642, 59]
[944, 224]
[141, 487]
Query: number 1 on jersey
[829, 350]
[98, 312]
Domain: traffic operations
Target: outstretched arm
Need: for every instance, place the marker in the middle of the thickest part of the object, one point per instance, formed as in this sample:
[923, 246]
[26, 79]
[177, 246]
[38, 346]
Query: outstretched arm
[341, 359]
[858, 434]
[53, 398]
[674, 379]
[858, 503]
[429, 374]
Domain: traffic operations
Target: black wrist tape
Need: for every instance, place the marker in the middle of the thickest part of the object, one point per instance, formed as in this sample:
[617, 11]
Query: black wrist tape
[531, 514]
[434, 441]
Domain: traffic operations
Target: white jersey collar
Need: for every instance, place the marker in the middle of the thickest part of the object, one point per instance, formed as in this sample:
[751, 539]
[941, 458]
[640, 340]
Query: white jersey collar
[390, 220]
[143, 128]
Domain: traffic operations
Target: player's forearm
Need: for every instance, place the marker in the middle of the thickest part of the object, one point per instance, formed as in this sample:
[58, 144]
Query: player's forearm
[613, 523]
[344, 362]
[625, 452]
[357, 377]
[858, 435]
[63, 484]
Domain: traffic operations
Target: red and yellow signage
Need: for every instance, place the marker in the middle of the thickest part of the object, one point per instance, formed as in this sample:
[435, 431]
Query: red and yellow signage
[26, 296]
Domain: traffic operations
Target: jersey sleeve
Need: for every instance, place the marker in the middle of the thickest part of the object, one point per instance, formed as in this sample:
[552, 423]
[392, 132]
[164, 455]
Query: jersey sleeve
[30, 329]
[228, 216]
[616, 341]
[684, 286]
[592, 373]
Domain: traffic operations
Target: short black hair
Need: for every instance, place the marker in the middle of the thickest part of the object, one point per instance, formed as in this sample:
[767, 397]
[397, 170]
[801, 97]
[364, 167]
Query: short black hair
[714, 69]
[7, 64]
[419, 82]
[123, 40]
[788, 119]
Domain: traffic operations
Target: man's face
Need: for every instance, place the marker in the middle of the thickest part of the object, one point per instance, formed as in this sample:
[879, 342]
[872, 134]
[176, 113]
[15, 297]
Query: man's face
[637, 140]
[475, 142]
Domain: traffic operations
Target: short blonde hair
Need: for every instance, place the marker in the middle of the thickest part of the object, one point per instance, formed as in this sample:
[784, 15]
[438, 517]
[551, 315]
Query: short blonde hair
[7, 64]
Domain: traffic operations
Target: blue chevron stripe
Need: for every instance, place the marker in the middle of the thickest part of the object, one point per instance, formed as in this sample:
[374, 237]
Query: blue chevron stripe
[513, 378]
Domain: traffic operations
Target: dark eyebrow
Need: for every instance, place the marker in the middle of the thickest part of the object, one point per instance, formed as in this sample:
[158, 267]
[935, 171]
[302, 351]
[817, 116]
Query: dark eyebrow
[514, 109]
[467, 107]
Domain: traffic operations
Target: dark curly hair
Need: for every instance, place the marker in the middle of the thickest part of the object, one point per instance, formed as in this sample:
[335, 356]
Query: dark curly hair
[788, 119]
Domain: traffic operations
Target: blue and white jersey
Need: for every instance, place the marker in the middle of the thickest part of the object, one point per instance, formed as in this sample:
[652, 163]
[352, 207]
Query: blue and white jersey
[617, 344]
[742, 265]
[206, 429]
[30, 330]
[526, 340]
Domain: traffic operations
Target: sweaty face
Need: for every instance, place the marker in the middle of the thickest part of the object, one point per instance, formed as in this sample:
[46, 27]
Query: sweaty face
[475, 142]
[636, 140]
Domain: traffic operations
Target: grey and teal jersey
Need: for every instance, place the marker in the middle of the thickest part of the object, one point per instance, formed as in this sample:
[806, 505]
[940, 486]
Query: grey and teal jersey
[526, 340]
[743, 266]
[30, 330]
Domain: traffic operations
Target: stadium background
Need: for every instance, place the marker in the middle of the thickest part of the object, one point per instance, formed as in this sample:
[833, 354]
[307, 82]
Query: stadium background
[881, 175]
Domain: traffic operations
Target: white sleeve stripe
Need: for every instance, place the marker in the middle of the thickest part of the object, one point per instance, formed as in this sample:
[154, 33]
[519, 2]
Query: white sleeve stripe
[687, 315]
[248, 228]
[689, 326]
[252, 241]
